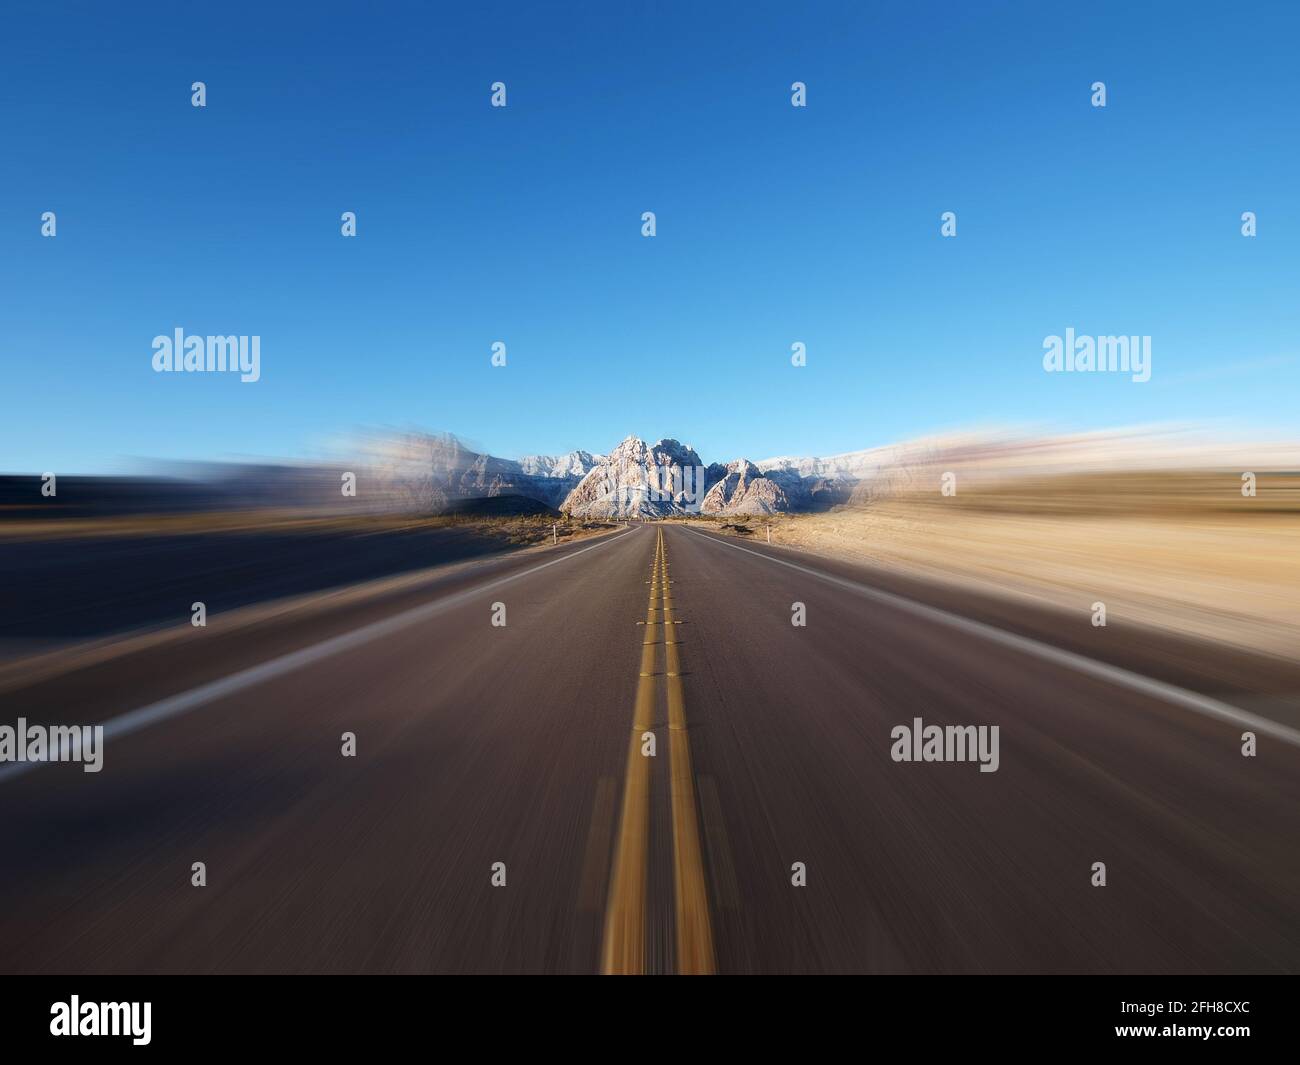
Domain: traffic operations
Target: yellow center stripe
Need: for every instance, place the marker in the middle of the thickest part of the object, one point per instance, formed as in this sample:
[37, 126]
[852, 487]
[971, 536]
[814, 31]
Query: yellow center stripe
[694, 928]
[624, 944]
[623, 950]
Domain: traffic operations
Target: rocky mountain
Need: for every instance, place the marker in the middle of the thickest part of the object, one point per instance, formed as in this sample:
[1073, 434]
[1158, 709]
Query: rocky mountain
[813, 483]
[575, 464]
[851, 465]
[640, 480]
[744, 490]
[435, 473]
[811, 492]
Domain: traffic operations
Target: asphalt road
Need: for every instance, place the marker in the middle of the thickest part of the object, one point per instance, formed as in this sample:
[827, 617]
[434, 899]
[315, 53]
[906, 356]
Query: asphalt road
[522, 744]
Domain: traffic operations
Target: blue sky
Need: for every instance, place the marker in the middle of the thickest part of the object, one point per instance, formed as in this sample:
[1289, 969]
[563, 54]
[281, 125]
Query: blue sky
[522, 224]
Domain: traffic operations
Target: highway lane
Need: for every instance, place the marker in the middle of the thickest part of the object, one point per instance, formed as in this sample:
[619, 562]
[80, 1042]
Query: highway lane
[938, 867]
[476, 744]
[479, 745]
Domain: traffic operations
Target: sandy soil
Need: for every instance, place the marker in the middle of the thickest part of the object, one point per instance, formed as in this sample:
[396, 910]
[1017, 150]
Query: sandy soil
[1222, 572]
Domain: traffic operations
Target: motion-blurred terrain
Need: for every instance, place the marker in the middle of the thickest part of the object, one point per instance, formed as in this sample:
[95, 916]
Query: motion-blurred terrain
[1155, 525]
[383, 616]
[1158, 524]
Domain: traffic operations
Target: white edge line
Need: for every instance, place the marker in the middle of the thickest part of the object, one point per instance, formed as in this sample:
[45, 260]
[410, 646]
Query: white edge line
[1201, 704]
[175, 705]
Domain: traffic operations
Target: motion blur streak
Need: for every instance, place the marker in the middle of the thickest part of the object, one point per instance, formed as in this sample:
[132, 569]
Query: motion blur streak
[309, 856]
[694, 931]
[624, 951]
[1112, 674]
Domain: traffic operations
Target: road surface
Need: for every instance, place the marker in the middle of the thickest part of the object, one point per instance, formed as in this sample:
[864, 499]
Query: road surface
[525, 744]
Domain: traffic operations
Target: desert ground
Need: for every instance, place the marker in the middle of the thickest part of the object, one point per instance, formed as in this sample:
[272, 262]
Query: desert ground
[1178, 550]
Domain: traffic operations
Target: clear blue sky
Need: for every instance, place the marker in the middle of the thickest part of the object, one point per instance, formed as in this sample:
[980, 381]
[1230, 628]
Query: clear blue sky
[775, 224]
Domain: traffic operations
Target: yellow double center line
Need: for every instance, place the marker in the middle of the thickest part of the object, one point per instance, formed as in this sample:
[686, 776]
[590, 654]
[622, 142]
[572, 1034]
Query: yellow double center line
[624, 944]
[694, 930]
